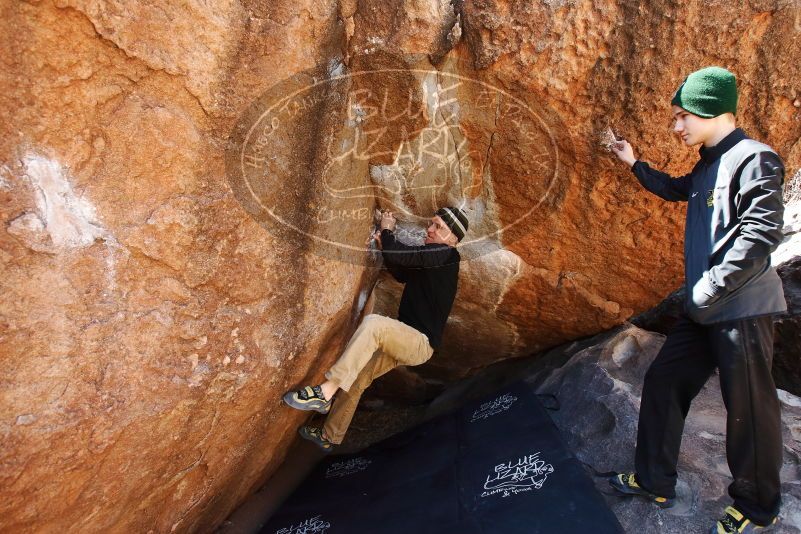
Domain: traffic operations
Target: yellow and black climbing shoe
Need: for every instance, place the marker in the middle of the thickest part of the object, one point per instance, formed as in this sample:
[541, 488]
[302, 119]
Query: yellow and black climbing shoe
[626, 484]
[308, 398]
[734, 522]
[315, 435]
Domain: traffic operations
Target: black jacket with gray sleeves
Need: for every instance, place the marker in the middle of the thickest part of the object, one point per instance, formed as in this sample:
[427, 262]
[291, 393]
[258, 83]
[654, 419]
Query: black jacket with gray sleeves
[734, 223]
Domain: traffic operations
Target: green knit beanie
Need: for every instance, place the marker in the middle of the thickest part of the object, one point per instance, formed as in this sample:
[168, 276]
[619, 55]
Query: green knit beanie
[708, 92]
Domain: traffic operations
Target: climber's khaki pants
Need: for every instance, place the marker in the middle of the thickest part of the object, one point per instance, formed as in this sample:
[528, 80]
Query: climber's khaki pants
[379, 345]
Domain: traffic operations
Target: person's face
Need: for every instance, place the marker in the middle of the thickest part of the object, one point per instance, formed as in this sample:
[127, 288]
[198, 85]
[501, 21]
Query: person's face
[691, 128]
[439, 233]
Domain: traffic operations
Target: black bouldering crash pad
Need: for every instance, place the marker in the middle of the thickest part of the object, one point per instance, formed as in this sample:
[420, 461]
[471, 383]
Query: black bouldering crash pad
[494, 466]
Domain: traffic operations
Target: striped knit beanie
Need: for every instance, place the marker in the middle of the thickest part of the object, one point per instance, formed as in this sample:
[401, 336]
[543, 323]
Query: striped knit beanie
[708, 92]
[455, 219]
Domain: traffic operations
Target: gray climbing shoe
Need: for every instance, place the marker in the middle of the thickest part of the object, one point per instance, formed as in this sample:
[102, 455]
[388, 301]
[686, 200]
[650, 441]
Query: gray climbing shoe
[315, 435]
[309, 398]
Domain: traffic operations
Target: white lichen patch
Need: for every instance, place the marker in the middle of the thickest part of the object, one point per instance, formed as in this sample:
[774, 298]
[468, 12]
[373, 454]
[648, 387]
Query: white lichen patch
[68, 219]
[31, 230]
[199, 373]
[25, 419]
[788, 398]
[5, 177]
[335, 68]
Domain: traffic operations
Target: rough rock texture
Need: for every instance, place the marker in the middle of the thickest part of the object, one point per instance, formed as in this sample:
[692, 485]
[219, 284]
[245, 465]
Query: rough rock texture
[601, 248]
[624, 59]
[599, 392]
[149, 322]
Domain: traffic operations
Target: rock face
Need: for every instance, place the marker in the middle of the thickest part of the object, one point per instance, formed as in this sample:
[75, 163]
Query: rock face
[155, 303]
[599, 392]
[148, 325]
[601, 248]
[787, 346]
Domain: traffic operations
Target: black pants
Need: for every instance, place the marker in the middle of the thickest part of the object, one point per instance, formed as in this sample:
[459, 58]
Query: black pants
[742, 350]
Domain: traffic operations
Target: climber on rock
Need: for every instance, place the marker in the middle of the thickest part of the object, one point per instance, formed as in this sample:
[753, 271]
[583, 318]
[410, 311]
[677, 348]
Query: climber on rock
[430, 273]
[734, 222]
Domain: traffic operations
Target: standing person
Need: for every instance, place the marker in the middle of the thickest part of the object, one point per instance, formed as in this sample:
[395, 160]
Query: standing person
[734, 222]
[430, 274]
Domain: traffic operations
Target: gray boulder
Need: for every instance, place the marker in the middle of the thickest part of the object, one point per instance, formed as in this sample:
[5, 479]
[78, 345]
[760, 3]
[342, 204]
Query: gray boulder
[599, 391]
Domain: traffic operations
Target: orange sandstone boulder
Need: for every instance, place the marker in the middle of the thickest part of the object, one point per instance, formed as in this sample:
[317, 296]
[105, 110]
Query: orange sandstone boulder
[187, 190]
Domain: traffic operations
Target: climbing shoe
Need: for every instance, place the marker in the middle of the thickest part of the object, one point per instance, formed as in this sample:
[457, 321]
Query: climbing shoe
[315, 435]
[734, 522]
[308, 398]
[626, 484]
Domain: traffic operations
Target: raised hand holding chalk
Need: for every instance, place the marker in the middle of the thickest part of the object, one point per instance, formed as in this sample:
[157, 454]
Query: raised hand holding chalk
[624, 151]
